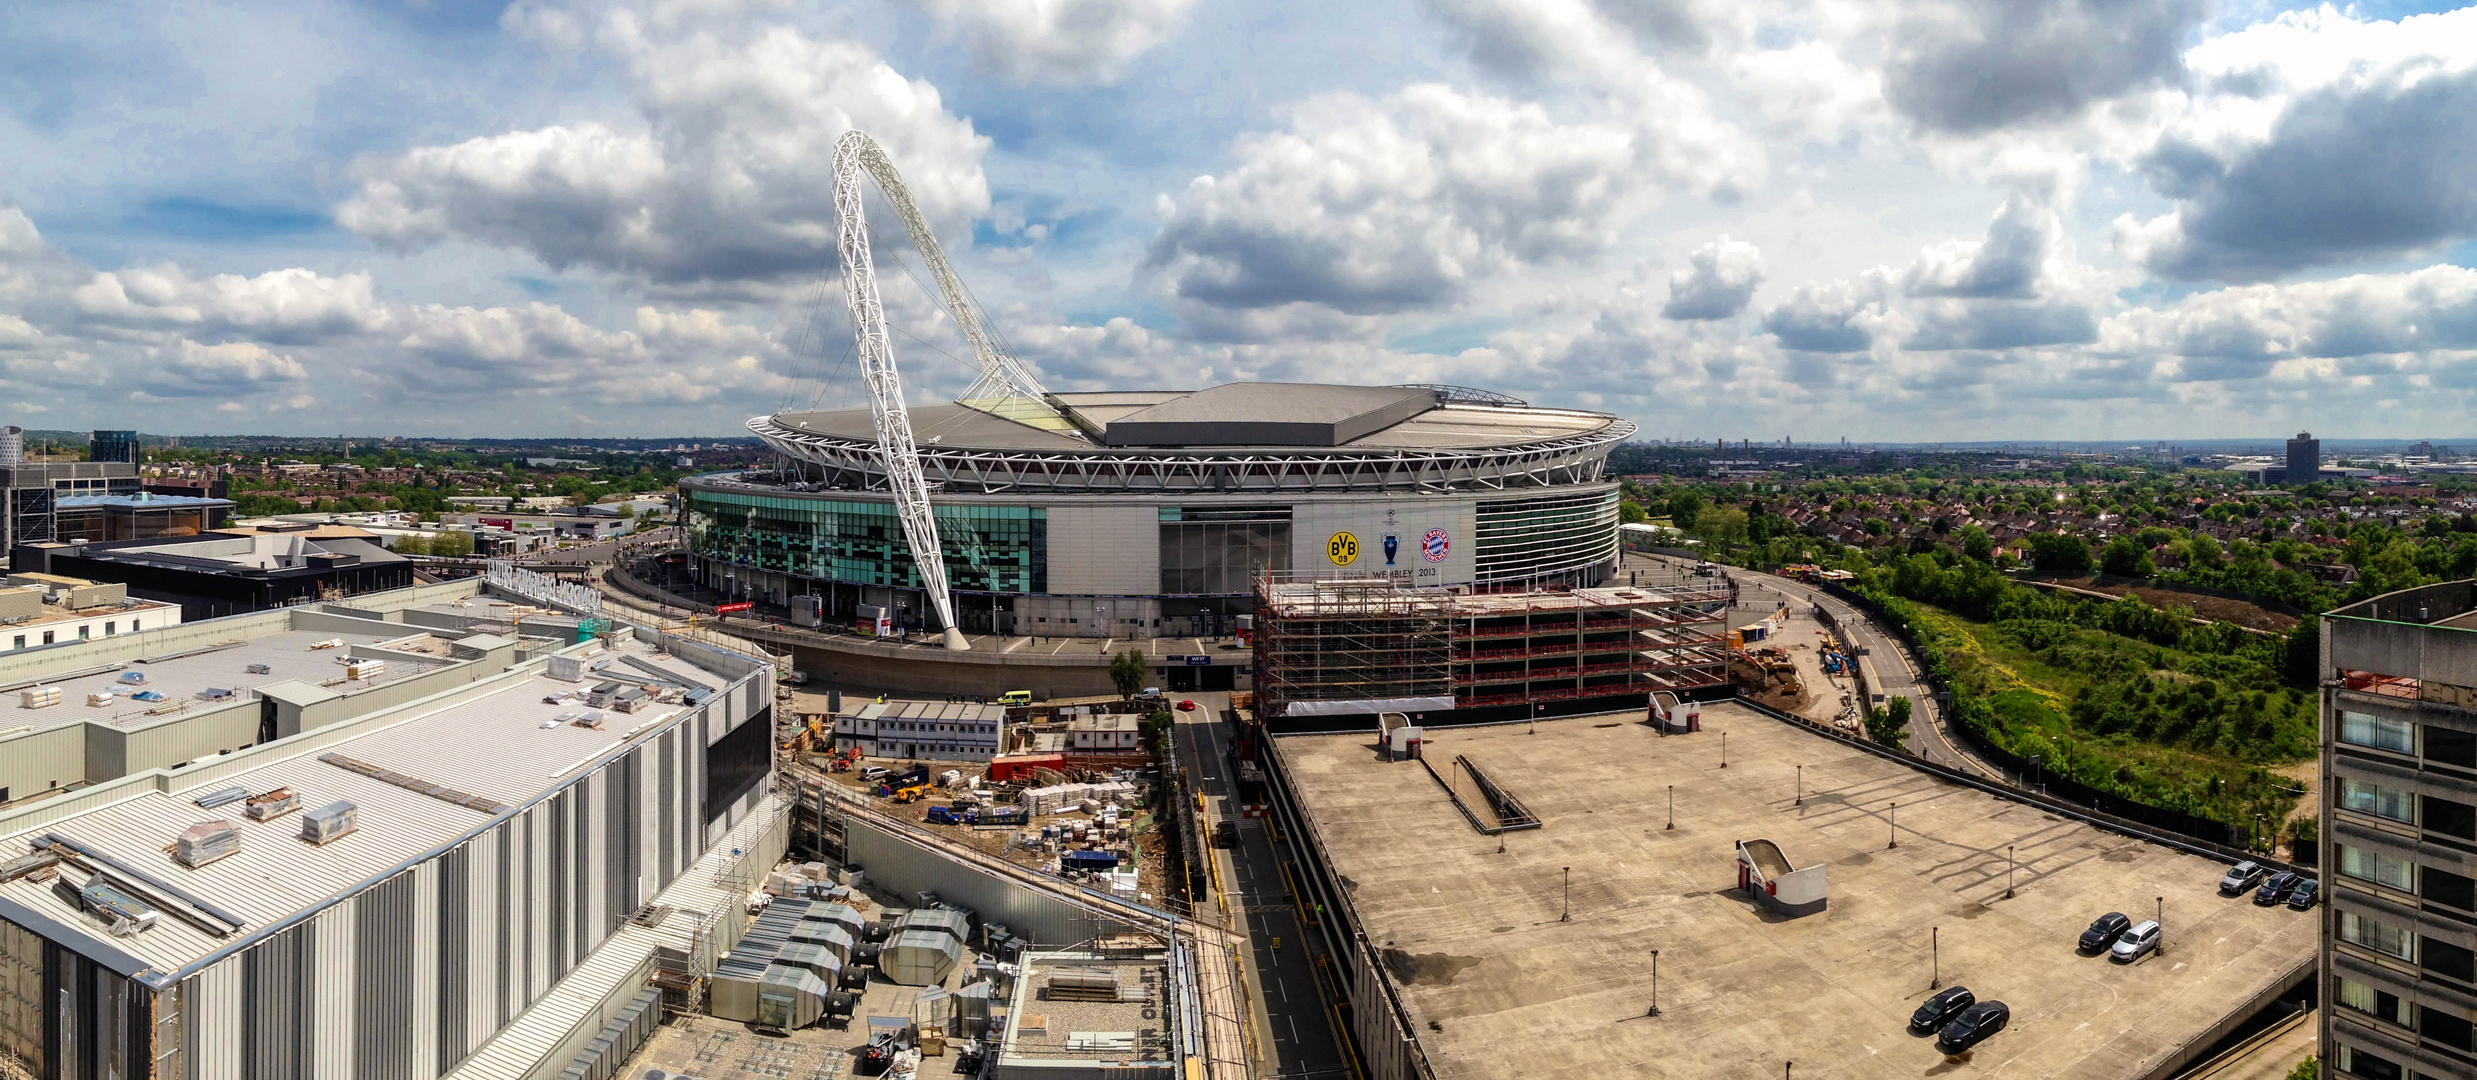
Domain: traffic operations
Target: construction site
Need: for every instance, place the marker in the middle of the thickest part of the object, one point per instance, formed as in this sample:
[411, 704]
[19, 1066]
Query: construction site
[1329, 649]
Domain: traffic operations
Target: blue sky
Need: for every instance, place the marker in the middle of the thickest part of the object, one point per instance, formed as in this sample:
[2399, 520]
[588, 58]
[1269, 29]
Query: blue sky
[1912, 220]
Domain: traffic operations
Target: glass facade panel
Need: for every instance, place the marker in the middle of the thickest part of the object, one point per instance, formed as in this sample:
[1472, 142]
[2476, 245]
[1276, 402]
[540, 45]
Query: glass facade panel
[2376, 935]
[2381, 733]
[2366, 797]
[1216, 550]
[2374, 866]
[1534, 539]
[988, 548]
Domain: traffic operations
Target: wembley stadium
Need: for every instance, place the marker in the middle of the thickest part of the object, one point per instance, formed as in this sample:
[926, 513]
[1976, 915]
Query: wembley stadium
[1149, 513]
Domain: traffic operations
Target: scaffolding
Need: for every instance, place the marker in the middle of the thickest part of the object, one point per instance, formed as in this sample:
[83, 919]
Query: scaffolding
[1326, 642]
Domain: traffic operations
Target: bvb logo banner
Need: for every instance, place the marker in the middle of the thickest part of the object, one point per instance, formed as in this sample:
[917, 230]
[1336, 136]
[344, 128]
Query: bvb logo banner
[1343, 549]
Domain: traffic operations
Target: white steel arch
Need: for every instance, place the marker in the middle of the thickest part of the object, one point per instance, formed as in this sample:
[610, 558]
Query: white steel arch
[855, 153]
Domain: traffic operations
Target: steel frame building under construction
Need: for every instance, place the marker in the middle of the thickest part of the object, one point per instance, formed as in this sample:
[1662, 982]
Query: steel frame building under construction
[1353, 647]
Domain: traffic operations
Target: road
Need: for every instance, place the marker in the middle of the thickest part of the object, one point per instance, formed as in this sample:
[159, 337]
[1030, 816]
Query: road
[1890, 669]
[1293, 1024]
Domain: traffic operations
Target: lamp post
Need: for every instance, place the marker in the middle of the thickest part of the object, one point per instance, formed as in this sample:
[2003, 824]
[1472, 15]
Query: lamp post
[2014, 867]
[1801, 785]
[1935, 957]
[1724, 749]
[2158, 915]
[1568, 914]
[1672, 807]
[1896, 826]
[1655, 983]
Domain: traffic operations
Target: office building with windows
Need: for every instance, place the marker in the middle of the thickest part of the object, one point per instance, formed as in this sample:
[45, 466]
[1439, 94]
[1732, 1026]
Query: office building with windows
[2399, 842]
[1149, 513]
[2304, 459]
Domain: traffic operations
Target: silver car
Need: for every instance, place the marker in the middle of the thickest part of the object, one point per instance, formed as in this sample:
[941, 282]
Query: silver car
[2139, 938]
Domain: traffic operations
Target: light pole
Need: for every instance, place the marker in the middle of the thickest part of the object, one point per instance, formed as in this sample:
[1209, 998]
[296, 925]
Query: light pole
[2158, 915]
[1935, 957]
[1724, 749]
[2011, 869]
[1568, 915]
[1672, 807]
[1896, 826]
[1801, 785]
[1655, 983]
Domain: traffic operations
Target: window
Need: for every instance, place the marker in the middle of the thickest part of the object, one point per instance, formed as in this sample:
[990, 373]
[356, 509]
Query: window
[110, 629]
[2382, 937]
[21, 642]
[2381, 733]
[2445, 887]
[2449, 1029]
[2449, 818]
[2360, 1063]
[47, 637]
[2373, 1002]
[84, 632]
[2366, 797]
[133, 626]
[1216, 550]
[2446, 959]
[2378, 868]
[2451, 747]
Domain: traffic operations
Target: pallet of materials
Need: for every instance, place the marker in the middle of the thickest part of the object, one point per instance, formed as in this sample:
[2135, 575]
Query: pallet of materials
[206, 842]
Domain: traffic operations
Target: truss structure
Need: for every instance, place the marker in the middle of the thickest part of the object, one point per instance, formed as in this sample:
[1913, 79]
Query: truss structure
[854, 153]
[858, 464]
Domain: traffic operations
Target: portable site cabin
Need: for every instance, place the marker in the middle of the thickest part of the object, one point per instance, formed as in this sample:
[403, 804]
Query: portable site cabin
[1764, 872]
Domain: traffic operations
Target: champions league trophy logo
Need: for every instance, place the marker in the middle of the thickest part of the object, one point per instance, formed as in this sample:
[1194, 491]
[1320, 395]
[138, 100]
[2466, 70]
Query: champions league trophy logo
[1393, 544]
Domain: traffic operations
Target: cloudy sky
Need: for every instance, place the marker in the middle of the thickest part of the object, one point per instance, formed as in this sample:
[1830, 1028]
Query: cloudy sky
[1881, 219]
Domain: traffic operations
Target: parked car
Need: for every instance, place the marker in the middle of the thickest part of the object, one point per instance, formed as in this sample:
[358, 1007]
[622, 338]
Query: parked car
[2305, 894]
[1225, 834]
[1973, 1026]
[2104, 931]
[1938, 1010]
[2141, 938]
[2242, 876]
[2276, 887]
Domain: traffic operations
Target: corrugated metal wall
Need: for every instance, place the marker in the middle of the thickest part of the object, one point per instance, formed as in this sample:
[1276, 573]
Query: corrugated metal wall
[406, 978]
[905, 867]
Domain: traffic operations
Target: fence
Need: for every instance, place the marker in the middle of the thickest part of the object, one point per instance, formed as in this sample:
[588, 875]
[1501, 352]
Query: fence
[542, 589]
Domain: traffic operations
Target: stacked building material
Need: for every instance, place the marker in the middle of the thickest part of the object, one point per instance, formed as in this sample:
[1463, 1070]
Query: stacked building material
[206, 842]
[329, 822]
[39, 697]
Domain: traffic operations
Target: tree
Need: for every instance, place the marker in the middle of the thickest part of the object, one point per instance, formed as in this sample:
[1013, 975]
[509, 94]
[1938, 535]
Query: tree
[1127, 672]
[1632, 513]
[1684, 508]
[1976, 544]
[1720, 524]
[2061, 554]
[1888, 725]
[2308, 1069]
[411, 544]
[628, 510]
[452, 545]
[2126, 557]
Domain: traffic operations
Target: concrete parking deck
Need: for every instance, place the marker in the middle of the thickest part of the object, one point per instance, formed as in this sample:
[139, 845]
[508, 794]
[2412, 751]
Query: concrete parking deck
[1497, 985]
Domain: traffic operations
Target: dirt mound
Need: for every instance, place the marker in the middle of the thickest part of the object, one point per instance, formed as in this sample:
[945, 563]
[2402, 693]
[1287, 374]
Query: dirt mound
[2215, 608]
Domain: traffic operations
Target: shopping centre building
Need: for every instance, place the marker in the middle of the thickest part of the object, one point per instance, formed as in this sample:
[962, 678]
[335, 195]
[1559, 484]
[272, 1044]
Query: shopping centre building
[1149, 513]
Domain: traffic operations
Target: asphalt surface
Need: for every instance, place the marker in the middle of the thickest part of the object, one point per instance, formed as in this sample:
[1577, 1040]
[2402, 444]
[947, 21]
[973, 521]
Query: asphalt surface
[1890, 669]
[1293, 1024]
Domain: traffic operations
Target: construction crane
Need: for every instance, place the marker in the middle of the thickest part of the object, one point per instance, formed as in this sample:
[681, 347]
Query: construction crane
[1004, 388]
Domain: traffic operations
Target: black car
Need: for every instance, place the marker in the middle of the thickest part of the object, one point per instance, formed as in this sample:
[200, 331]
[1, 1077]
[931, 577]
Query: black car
[2305, 893]
[2104, 932]
[2276, 887]
[1973, 1026]
[1942, 1007]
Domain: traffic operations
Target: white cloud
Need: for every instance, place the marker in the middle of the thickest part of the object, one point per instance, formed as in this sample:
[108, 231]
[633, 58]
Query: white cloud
[1827, 317]
[725, 188]
[2313, 139]
[1062, 41]
[1375, 205]
[231, 367]
[292, 306]
[1978, 65]
[1720, 279]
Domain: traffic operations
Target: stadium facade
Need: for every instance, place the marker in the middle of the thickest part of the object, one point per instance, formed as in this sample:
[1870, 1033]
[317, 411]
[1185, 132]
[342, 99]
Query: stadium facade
[1149, 513]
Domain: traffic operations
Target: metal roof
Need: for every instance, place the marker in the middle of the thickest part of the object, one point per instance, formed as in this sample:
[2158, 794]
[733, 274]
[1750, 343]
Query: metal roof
[493, 745]
[183, 674]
